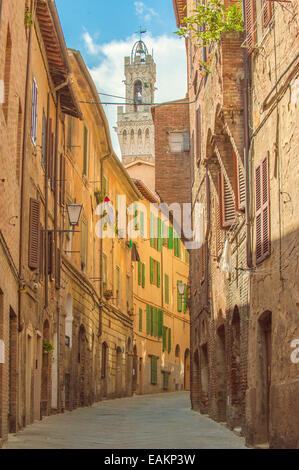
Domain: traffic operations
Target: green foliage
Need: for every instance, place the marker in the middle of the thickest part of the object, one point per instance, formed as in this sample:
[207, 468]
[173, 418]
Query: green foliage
[48, 347]
[28, 18]
[208, 21]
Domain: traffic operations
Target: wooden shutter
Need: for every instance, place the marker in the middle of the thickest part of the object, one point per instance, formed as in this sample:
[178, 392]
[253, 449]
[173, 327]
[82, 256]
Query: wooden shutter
[41, 253]
[143, 275]
[267, 12]
[148, 320]
[198, 135]
[166, 289]
[170, 237]
[151, 270]
[140, 319]
[262, 210]
[185, 301]
[152, 321]
[240, 183]
[160, 325]
[250, 26]
[51, 255]
[139, 273]
[155, 328]
[159, 242]
[164, 338]
[169, 340]
[49, 150]
[58, 269]
[34, 234]
[227, 202]
[158, 274]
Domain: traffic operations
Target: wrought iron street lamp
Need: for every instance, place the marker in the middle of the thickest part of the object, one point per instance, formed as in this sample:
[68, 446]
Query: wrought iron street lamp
[181, 288]
[74, 212]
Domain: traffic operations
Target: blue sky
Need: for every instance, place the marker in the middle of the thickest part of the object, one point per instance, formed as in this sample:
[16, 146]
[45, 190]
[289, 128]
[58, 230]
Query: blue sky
[104, 32]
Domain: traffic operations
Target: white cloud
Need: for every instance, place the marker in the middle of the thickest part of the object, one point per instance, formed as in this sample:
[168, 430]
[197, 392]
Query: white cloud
[91, 46]
[144, 11]
[170, 58]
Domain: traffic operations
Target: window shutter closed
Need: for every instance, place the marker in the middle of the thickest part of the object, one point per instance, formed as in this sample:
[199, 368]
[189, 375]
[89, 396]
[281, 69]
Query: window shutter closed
[154, 370]
[44, 141]
[169, 340]
[34, 234]
[227, 203]
[62, 180]
[164, 338]
[250, 24]
[143, 275]
[151, 270]
[159, 245]
[262, 211]
[166, 288]
[51, 262]
[179, 298]
[139, 273]
[170, 238]
[152, 321]
[140, 319]
[156, 329]
[41, 253]
[49, 150]
[148, 320]
[158, 274]
[241, 184]
[152, 231]
[160, 325]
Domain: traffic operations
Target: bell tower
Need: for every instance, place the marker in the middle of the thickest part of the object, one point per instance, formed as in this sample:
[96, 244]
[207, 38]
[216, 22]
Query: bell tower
[135, 126]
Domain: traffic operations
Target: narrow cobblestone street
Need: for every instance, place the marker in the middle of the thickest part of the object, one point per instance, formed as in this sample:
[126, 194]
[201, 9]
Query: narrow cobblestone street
[163, 421]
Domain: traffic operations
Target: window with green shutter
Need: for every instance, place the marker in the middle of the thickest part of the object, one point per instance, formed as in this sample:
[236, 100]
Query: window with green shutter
[140, 319]
[148, 320]
[143, 275]
[185, 300]
[160, 323]
[165, 380]
[187, 256]
[152, 321]
[166, 283]
[163, 233]
[151, 270]
[179, 297]
[154, 374]
[164, 337]
[155, 322]
[170, 238]
[177, 246]
[142, 224]
[169, 340]
[139, 273]
[159, 242]
[158, 274]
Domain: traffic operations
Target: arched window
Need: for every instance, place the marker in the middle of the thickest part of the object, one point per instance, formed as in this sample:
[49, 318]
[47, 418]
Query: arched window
[104, 360]
[139, 140]
[132, 141]
[137, 94]
[147, 141]
[125, 140]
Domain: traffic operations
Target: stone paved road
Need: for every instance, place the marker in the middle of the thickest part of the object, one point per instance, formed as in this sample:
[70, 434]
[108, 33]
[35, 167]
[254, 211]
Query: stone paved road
[163, 421]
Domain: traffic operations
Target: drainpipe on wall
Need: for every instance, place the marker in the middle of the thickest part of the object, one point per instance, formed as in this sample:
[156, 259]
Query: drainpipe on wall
[26, 101]
[246, 149]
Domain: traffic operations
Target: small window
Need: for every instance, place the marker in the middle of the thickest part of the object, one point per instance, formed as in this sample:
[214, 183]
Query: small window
[176, 142]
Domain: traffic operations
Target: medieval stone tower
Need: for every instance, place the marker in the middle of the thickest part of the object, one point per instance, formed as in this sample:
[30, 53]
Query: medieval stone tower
[135, 126]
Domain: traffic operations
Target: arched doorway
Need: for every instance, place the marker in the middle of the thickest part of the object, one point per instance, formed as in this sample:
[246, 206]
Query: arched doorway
[135, 369]
[82, 363]
[187, 370]
[118, 372]
[195, 382]
[236, 396]
[221, 373]
[46, 371]
[264, 355]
